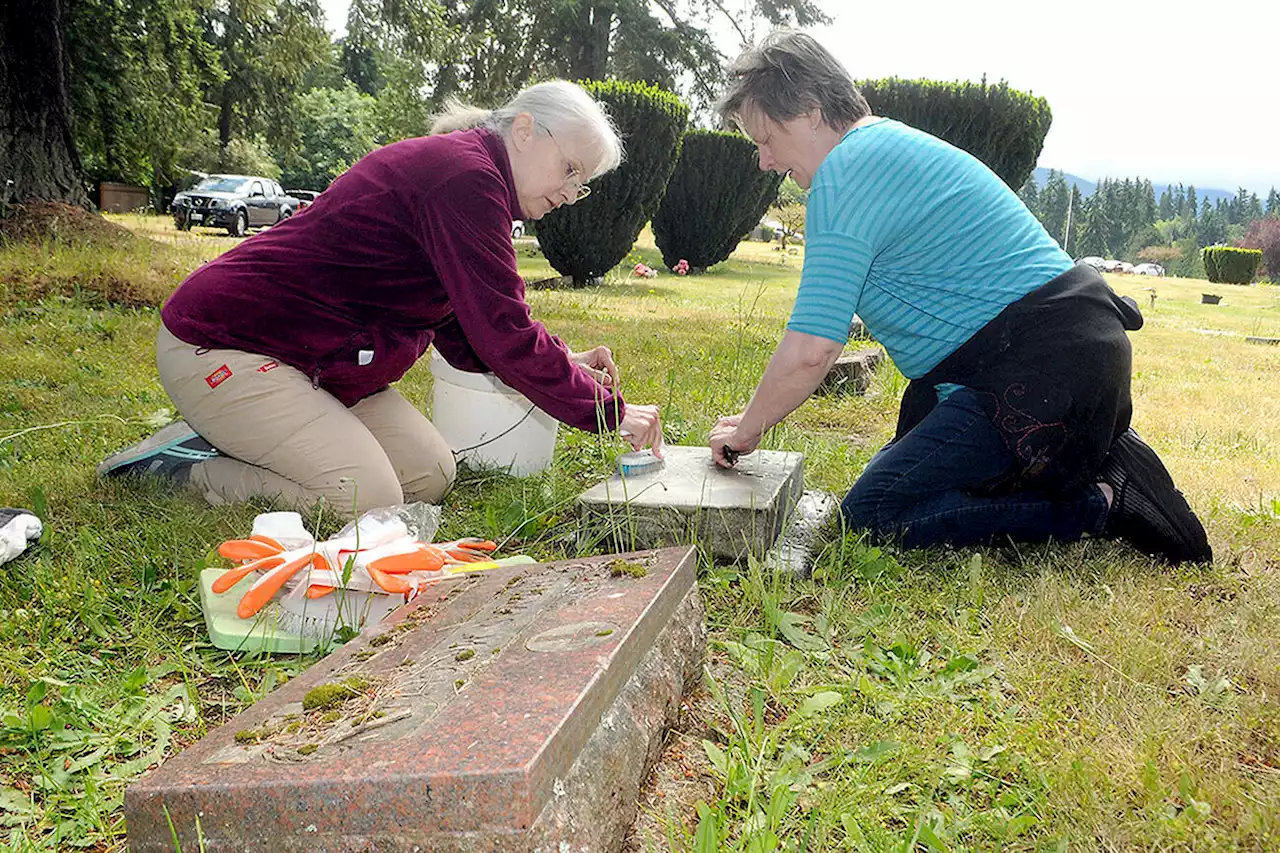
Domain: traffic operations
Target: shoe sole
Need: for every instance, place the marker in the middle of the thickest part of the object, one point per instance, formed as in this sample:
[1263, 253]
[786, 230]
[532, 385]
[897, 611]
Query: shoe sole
[1147, 474]
[156, 443]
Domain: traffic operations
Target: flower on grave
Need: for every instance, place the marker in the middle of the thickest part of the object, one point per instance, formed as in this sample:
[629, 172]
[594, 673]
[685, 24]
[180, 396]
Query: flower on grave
[645, 271]
[681, 267]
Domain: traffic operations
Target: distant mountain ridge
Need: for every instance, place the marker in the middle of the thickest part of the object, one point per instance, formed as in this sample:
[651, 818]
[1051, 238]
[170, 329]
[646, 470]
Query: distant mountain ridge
[1087, 188]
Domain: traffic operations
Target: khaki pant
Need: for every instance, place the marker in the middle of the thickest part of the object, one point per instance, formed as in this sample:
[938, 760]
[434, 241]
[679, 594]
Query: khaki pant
[283, 438]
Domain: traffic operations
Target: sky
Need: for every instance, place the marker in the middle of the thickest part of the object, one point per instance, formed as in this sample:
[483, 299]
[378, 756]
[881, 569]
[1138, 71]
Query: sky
[1136, 88]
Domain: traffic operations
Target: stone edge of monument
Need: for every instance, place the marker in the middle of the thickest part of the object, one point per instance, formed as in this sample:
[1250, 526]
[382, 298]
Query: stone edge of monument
[556, 755]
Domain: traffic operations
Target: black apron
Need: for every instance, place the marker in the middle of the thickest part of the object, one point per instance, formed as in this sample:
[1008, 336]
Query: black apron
[1053, 372]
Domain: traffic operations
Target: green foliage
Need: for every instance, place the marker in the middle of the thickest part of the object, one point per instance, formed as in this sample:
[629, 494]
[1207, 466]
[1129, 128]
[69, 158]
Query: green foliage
[266, 48]
[1030, 195]
[1230, 265]
[789, 192]
[716, 195]
[239, 157]
[336, 128]
[587, 239]
[137, 70]
[1055, 198]
[1191, 264]
[1001, 126]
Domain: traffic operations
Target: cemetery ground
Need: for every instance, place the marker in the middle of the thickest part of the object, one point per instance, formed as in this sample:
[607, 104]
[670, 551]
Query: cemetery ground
[1062, 697]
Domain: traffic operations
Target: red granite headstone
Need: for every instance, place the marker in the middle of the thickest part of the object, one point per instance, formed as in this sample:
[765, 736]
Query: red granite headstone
[457, 724]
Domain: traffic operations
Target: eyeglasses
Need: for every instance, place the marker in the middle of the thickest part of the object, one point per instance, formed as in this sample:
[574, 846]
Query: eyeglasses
[572, 176]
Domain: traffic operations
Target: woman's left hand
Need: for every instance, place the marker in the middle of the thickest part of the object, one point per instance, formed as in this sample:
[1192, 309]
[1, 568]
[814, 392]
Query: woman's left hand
[599, 363]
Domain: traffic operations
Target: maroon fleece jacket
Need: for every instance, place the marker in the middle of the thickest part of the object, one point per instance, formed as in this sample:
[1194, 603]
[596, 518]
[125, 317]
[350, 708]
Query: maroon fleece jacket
[411, 246]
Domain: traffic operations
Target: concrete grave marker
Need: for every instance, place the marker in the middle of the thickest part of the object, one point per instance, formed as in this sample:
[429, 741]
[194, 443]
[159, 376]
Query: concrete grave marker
[852, 372]
[691, 500]
[515, 710]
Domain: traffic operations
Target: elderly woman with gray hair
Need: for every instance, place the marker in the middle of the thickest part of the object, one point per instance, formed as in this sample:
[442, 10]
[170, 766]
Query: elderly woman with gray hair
[1016, 421]
[280, 354]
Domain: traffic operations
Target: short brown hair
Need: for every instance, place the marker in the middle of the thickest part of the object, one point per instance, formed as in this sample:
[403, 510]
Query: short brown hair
[787, 75]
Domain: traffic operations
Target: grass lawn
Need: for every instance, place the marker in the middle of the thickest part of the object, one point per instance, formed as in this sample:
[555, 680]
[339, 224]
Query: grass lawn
[1033, 698]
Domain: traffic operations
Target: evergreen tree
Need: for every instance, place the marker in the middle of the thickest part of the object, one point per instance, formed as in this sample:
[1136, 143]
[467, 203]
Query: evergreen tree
[1091, 239]
[1238, 209]
[1254, 210]
[1166, 210]
[483, 51]
[37, 147]
[1179, 201]
[266, 48]
[1273, 204]
[137, 69]
[1192, 209]
[1030, 195]
[1054, 199]
[1148, 204]
[1211, 226]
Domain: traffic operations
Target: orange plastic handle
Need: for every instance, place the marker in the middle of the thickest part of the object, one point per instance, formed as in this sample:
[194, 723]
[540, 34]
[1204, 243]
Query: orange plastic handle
[247, 549]
[267, 540]
[420, 560]
[391, 583]
[470, 544]
[230, 578]
[269, 584]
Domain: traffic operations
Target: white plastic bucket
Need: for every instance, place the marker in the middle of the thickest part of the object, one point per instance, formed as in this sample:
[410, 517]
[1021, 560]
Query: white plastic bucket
[489, 423]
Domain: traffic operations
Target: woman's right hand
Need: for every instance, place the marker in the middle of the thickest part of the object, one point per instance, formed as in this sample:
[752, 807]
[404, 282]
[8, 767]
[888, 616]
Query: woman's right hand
[642, 426]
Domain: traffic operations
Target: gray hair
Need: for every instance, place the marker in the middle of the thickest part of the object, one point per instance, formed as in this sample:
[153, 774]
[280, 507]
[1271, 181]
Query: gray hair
[572, 116]
[787, 75]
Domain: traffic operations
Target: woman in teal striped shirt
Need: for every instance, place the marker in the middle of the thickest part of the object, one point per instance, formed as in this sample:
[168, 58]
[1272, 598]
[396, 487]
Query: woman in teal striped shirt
[1016, 421]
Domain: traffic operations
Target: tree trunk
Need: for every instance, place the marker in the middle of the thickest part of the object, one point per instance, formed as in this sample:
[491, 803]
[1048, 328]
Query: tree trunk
[226, 108]
[590, 58]
[37, 149]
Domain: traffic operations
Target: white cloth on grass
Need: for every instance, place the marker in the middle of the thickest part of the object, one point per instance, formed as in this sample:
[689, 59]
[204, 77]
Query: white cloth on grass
[18, 528]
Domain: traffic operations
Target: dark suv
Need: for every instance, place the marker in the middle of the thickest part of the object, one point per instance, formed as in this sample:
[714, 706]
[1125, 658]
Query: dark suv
[234, 202]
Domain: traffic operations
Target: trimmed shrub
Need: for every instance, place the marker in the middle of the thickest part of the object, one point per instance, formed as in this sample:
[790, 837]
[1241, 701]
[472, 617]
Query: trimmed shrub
[587, 239]
[1002, 127]
[716, 195]
[1228, 265]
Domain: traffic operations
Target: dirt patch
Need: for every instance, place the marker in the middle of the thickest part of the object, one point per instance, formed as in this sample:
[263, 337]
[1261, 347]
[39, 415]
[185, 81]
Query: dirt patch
[49, 249]
[678, 781]
[40, 221]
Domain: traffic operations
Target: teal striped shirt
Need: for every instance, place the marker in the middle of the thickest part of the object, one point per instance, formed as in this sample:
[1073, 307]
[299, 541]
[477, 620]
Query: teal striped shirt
[919, 239]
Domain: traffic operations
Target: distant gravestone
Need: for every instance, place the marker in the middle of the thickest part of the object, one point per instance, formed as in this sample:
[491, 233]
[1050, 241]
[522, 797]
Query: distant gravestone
[858, 330]
[514, 710]
[728, 512]
[852, 372]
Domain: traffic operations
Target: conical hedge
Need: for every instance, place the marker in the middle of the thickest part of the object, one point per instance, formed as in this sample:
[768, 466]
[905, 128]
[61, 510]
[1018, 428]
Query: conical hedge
[715, 196]
[587, 239]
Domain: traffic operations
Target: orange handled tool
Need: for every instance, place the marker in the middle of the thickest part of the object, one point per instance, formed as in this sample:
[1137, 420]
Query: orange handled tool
[230, 578]
[269, 584]
[391, 583]
[247, 549]
[423, 559]
[469, 550]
